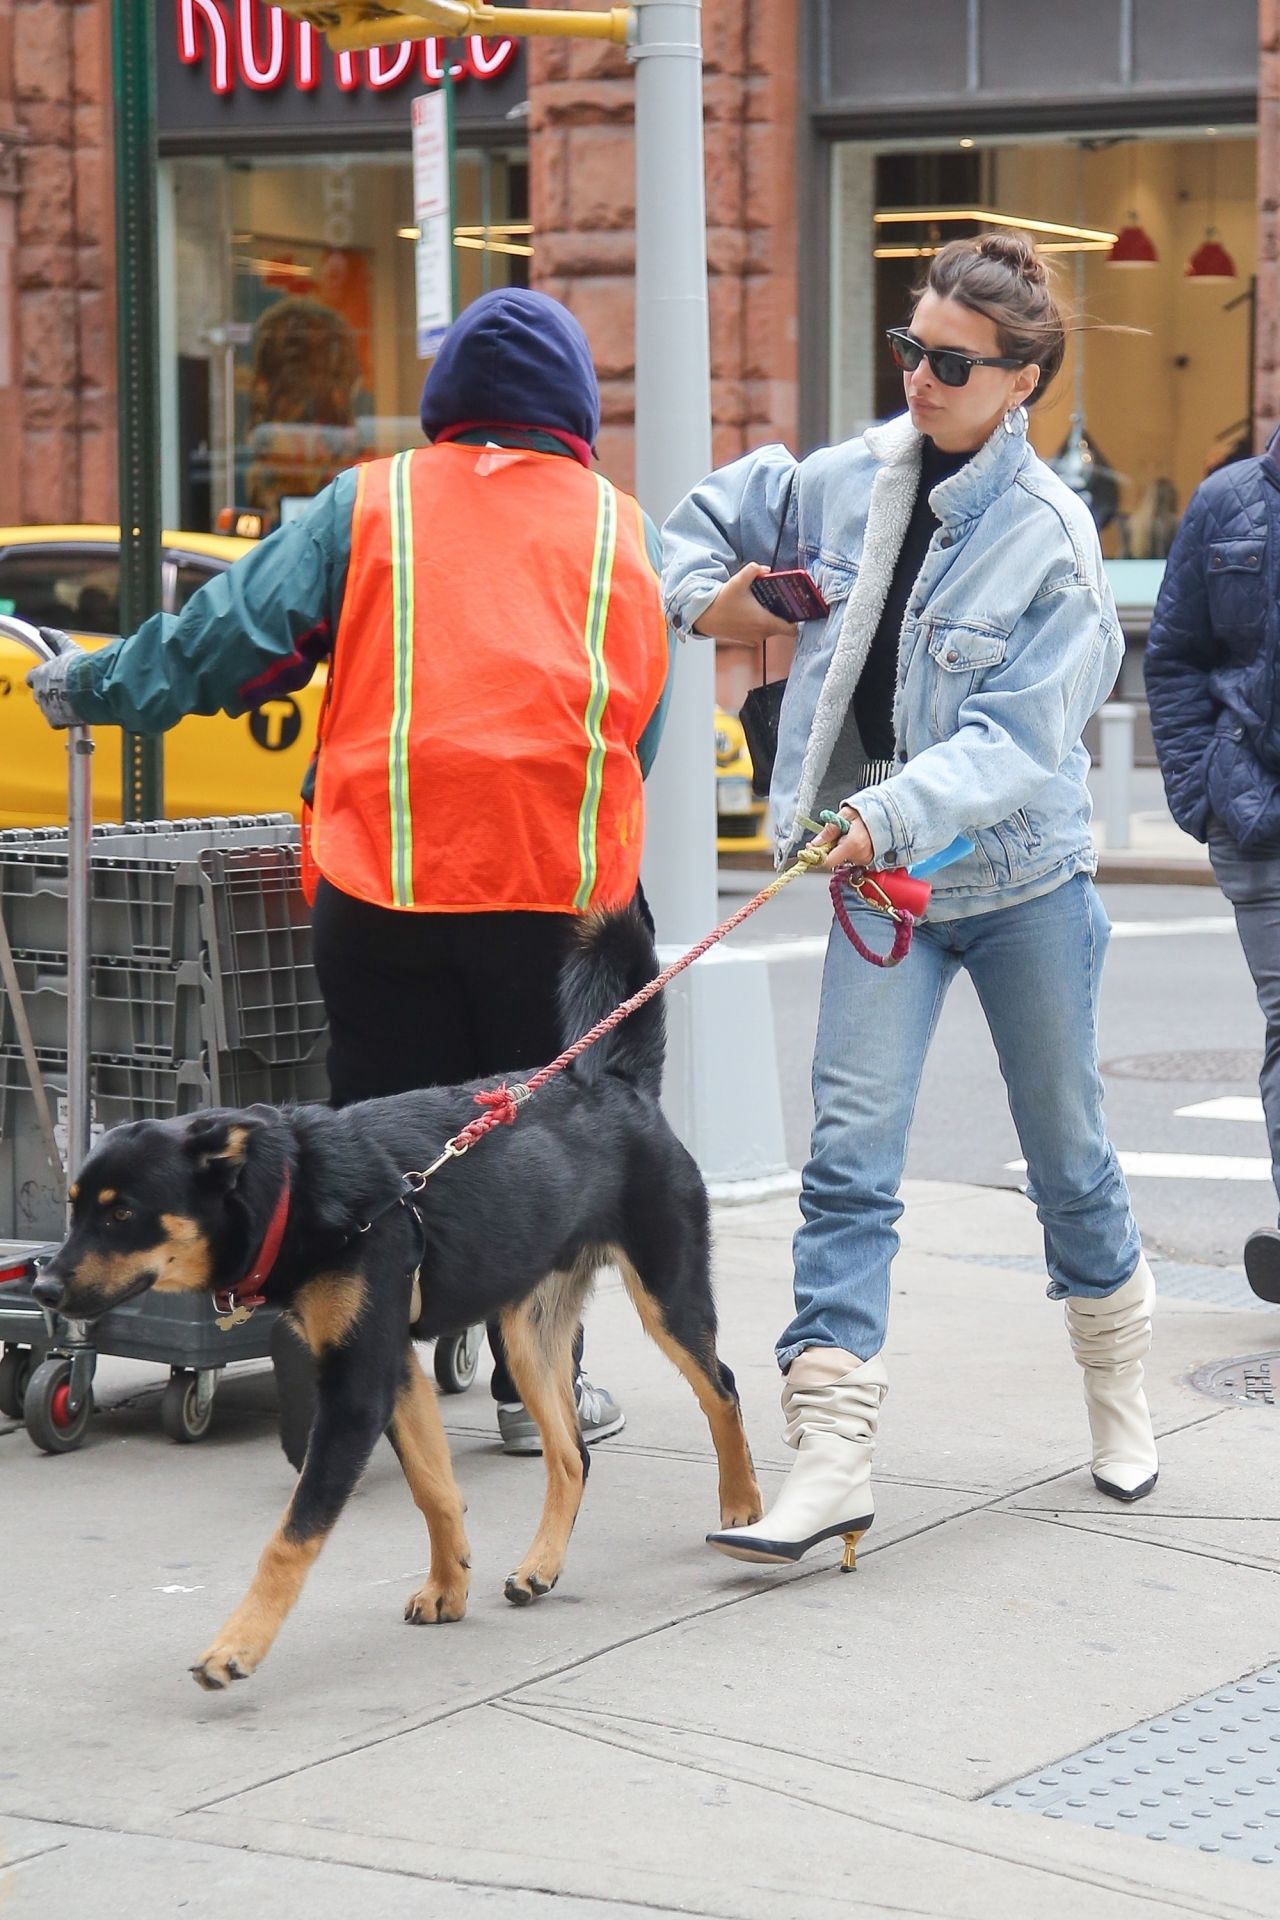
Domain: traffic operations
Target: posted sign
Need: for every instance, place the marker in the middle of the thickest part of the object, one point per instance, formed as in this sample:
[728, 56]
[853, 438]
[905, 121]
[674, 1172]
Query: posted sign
[433, 216]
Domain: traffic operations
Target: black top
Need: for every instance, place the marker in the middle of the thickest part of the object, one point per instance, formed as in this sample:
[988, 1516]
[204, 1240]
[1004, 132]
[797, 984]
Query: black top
[873, 695]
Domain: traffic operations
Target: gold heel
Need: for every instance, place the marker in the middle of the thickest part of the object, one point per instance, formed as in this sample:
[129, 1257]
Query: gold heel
[849, 1564]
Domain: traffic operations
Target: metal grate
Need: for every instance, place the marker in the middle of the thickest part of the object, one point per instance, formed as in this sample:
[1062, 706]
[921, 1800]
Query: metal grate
[1252, 1380]
[1205, 1776]
[1235, 1063]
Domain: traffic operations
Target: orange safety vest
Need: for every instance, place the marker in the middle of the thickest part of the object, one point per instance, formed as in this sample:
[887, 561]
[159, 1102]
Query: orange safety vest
[500, 649]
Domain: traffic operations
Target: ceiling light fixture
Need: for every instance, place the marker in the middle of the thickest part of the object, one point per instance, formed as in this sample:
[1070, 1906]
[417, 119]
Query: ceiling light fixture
[1134, 246]
[986, 216]
[1211, 264]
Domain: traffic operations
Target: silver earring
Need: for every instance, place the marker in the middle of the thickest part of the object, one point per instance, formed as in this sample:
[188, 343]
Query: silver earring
[1015, 419]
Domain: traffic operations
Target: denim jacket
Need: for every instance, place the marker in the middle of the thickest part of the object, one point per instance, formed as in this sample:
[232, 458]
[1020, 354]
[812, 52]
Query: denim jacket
[1010, 642]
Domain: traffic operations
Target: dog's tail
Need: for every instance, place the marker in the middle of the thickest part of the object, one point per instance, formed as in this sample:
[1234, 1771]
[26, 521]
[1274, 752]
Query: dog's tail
[613, 958]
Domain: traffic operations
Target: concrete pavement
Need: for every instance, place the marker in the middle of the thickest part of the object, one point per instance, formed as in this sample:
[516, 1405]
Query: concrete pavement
[668, 1731]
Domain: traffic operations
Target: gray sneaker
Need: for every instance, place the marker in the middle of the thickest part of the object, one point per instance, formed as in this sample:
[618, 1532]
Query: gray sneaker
[599, 1415]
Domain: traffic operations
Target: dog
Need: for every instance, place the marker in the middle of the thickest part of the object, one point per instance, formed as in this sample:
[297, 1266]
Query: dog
[303, 1207]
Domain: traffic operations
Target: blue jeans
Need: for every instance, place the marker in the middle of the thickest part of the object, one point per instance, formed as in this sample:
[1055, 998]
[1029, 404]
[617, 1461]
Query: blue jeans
[1251, 883]
[1037, 967]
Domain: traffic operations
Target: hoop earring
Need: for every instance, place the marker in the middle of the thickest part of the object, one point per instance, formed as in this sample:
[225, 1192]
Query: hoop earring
[1015, 419]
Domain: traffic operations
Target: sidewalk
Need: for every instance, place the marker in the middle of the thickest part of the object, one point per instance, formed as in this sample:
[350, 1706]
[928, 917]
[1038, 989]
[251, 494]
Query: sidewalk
[669, 1731]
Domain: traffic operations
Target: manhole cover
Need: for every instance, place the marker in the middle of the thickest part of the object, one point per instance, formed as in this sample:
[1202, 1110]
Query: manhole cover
[1236, 1063]
[1251, 1381]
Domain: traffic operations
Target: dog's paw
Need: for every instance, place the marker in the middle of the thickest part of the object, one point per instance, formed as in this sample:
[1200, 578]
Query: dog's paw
[525, 1586]
[435, 1603]
[217, 1668]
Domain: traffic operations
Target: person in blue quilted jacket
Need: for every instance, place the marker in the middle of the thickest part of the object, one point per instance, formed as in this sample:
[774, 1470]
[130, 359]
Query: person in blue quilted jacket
[1212, 661]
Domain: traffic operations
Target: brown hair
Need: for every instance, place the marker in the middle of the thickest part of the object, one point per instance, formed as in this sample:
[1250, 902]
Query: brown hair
[1002, 276]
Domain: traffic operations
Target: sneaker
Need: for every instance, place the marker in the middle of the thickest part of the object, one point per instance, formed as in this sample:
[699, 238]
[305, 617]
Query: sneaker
[1262, 1264]
[599, 1415]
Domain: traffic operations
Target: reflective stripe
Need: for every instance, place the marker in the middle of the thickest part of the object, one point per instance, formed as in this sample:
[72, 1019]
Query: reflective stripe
[401, 681]
[593, 639]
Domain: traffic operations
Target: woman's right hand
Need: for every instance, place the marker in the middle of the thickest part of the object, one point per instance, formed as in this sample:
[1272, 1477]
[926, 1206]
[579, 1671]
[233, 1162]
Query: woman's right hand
[737, 616]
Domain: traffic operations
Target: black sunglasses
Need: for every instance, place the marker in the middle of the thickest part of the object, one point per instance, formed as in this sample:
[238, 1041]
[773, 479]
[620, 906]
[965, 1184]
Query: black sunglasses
[949, 365]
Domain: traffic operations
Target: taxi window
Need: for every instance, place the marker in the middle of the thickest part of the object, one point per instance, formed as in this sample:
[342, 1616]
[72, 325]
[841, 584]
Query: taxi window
[188, 577]
[62, 587]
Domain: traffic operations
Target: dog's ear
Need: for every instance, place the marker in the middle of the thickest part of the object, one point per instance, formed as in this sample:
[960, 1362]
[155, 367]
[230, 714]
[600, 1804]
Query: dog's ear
[218, 1146]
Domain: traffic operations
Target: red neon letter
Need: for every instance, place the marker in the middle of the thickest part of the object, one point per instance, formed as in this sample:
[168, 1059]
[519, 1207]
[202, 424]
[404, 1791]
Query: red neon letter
[486, 65]
[308, 65]
[190, 13]
[387, 65]
[256, 75]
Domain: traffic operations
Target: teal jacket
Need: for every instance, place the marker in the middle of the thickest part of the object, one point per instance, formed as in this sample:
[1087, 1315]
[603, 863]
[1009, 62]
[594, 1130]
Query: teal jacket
[259, 630]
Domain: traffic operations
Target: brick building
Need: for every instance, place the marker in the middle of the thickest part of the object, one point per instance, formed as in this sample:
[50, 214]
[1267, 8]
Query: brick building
[843, 143]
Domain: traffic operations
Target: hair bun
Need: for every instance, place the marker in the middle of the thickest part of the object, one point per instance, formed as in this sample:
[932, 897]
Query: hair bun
[1017, 252]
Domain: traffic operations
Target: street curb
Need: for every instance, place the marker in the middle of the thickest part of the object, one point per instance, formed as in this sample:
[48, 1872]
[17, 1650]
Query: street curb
[1156, 870]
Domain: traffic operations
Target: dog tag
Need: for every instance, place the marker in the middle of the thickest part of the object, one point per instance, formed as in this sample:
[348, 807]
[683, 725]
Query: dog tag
[236, 1318]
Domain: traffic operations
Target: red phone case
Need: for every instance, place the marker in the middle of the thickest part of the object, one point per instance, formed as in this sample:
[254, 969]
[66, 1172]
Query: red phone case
[790, 595]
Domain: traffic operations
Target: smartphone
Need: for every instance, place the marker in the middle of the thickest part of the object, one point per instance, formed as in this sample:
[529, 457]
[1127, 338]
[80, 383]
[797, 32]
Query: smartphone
[790, 595]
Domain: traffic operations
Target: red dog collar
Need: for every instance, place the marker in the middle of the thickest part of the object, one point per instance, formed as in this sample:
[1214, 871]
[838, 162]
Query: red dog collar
[247, 1294]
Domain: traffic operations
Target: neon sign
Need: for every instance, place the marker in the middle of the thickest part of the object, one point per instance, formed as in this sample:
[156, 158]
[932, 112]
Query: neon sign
[247, 44]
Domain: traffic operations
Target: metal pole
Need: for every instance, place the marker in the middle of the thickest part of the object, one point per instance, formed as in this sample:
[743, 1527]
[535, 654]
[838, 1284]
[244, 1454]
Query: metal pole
[79, 826]
[721, 1087]
[133, 51]
[673, 435]
[1115, 763]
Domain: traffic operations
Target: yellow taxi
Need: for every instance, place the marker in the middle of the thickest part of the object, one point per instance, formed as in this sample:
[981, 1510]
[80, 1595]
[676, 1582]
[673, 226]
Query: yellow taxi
[69, 577]
[742, 822]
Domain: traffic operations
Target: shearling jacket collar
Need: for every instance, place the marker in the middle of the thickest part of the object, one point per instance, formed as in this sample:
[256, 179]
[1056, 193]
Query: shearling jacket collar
[967, 494]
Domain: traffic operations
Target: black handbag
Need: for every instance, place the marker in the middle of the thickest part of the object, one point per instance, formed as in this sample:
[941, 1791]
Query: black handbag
[762, 708]
[759, 714]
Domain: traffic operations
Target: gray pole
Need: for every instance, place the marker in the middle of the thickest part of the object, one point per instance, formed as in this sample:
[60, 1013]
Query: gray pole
[673, 435]
[721, 1089]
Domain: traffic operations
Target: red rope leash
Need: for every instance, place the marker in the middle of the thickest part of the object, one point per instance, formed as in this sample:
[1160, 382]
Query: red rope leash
[504, 1103]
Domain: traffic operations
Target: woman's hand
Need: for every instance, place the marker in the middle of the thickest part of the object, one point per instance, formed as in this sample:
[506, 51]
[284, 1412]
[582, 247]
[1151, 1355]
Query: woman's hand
[852, 848]
[737, 616]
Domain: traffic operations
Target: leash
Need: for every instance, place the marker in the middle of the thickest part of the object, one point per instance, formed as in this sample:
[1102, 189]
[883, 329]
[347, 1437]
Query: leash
[877, 888]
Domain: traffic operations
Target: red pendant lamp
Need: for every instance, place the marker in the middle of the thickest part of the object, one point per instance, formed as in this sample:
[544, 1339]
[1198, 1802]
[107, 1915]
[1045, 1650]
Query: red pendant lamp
[1211, 263]
[1134, 246]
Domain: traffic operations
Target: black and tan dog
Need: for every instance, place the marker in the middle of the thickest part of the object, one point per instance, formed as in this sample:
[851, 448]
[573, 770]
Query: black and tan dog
[590, 1176]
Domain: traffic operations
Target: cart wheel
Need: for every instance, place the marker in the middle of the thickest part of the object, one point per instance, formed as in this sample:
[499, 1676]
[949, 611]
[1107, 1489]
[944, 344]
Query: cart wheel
[185, 1414]
[46, 1409]
[295, 1388]
[15, 1371]
[456, 1358]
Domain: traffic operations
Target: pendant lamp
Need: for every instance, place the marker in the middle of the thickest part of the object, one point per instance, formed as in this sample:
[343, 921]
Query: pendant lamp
[1211, 263]
[1079, 461]
[1134, 246]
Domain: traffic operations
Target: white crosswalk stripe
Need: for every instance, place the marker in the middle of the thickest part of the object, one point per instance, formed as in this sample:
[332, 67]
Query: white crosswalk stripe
[1181, 1166]
[1231, 1106]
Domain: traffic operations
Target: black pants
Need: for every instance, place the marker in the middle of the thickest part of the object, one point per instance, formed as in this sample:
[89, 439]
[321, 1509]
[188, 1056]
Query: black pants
[432, 999]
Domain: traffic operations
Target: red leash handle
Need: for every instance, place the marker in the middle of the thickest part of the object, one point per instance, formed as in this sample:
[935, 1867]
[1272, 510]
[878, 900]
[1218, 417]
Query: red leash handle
[906, 898]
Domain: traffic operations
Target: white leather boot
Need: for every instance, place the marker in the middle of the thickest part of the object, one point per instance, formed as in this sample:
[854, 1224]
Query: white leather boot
[1110, 1338]
[831, 1400]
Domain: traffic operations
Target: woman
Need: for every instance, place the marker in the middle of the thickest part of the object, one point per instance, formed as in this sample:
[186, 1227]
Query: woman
[971, 635]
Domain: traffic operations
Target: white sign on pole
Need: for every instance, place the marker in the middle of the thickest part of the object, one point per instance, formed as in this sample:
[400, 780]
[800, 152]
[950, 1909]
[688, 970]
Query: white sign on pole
[433, 217]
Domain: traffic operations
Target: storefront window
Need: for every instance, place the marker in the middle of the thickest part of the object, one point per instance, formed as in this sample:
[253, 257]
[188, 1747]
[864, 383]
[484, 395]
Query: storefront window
[1143, 410]
[293, 314]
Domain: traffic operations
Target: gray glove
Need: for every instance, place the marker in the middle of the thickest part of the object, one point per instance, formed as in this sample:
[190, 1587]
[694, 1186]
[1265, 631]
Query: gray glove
[48, 681]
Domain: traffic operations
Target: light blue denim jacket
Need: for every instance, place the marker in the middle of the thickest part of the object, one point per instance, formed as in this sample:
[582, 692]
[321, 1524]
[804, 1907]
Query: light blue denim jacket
[1010, 642]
